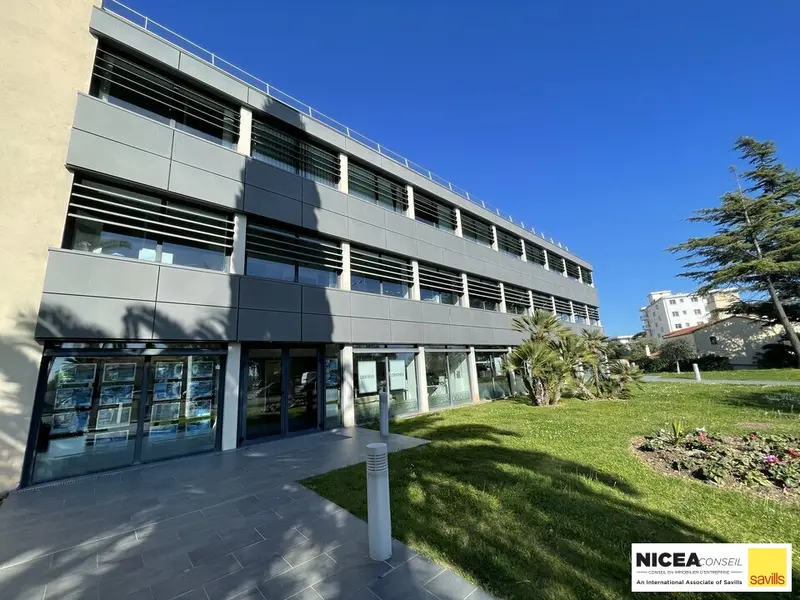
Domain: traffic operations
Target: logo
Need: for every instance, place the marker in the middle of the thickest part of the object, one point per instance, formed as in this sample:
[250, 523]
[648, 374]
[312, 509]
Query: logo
[767, 567]
[711, 567]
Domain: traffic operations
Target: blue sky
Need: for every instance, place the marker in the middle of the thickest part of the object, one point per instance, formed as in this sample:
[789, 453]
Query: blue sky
[603, 124]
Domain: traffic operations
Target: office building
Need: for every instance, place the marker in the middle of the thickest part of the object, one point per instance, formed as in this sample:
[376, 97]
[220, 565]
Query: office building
[667, 312]
[194, 261]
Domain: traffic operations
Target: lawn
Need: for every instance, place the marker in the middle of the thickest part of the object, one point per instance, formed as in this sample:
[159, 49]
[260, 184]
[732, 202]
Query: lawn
[755, 374]
[544, 503]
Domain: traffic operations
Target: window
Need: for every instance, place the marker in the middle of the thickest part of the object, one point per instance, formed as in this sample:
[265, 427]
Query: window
[542, 302]
[289, 256]
[581, 315]
[447, 379]
[594, 315]
[535, 254]
[587, 276]
[369, 186]
[573, 270]
[684, 312]
[713, 340]
[493, 381]
[680, 300]
[672, 302]
[675, 313]
[557, 263]
[379, 273]
[476, 230]
[697, 311]
[509, 244]
[124, 81]
[679, 325]
[440, 286]
[120, 221]
[563, 309]
[287, 152]
[693, 298]
[517, 301]
[434, 213]
[483, 294]
[376, 374]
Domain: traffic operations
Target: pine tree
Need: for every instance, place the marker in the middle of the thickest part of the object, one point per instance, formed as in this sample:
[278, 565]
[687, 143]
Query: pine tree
[756, 243]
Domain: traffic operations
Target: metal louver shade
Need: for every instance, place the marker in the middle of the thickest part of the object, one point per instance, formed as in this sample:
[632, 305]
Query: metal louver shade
[122, 207]
[509, 243]
[300, 156]
[562, 305]
[516, 295]
[556, 262]
[380, 266]
[587, 276]
[482, 288]
[473, 228]
[366, 183]
[149, 89]
[438, 279]
[286, 246]
[534, 253]
[437, 212]
[580, 310]
[573, 270]
[594, 313]
[542, 302]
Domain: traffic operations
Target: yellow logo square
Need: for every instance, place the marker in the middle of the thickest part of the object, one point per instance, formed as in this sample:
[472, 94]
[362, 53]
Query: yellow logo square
[766, 567]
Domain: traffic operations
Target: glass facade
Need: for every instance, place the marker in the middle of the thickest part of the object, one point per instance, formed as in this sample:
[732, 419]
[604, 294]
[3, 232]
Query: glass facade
[384, 374]
[103, 411]
[447, 379]
[493, 381]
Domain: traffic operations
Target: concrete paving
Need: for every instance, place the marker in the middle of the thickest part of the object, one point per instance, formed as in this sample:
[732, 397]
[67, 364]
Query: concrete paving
[655, 378]
[217, 526]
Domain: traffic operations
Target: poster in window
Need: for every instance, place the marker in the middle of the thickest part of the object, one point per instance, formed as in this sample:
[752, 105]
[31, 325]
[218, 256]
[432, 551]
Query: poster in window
[167, 391]
[107, 439]
[331, 372]
[195, 409]
[198, 428]
[397, 374]
[200, 389]
[169, 411]
[70, 422]
[119, 372]
[497, 365]
[202, 368]
[163, 433]
[367, 378]
[169, 370]
[113, 417]
[116, 394]
[73, 397]
[76, 373]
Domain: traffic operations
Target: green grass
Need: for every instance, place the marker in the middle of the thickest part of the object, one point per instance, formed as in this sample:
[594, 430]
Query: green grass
[544, 503]
[756, 374]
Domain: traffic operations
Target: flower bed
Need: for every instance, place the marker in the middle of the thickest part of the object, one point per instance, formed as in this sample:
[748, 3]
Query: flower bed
[769, 463]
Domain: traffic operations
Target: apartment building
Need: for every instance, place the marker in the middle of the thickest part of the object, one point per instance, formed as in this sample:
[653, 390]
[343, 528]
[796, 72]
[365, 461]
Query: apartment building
[667, 312]
[195, 261]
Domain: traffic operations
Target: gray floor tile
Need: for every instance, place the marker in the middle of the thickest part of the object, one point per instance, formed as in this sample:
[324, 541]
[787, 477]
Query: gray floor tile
[350, 579]
[266, 549]
[299, 578]
[235, 540]
[306, 594]
[449, 586]
[407, 580]
[305, 551]
[246, 579]
[480, 595]
[198, 577]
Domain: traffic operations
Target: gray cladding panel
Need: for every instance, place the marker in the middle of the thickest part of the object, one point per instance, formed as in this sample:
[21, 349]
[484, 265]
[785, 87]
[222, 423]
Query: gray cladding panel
[456, 261]
[326, 301]
[401, 244]
[430, 254]
[190, 286]
[370, 331]
[406, 332]
[194, 322]
[405, 310]
[436, 313]
[320, 131]
[399, 223]
[86, 274]
[210, 76]
[436, 334]
[269, 326]
[360, 151]
[273, 179]
[327, 222]
[322, 196]
[372, 306]
[109, 121]
[208, 156]
[465, 316]
[324, 328]
[106, 25]
[272, 205]
[86, 317]
[366, 234]
[213, 188]
[94, 153]
[366, 212]
[265, 294]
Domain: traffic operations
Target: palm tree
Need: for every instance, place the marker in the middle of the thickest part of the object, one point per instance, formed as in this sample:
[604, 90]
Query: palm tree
[597, 345]
[542, 326]
[536, 362]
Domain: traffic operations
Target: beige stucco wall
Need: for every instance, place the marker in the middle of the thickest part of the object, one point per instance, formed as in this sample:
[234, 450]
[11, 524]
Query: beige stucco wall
[46, 55]
[738, 338]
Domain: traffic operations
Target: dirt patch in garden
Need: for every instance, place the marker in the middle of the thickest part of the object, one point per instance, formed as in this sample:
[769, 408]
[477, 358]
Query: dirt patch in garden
[663, 463]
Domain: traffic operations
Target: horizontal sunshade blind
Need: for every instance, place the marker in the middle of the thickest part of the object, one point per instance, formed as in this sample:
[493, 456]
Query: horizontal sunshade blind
[562, 306]
[556, 263]
[482, 288]
[509, 243]
[516, 295]
[165, 95]
[376, 186]
[476, 228]
[534, 253]
[573, 270]
[432, 210]
[580, 309]
[587, 276]
[304, 157]
[542, 302]
[438, 279]
[594, 313]
[380, 266]
[121, 207]
[285, 246]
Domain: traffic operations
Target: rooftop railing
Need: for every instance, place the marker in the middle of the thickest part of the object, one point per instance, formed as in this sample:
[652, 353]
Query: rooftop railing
[143, 21]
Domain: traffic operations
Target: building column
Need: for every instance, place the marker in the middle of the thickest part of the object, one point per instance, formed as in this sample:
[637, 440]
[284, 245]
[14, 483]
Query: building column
[553, 302]
[511, 375]
[465, 297]
[422, 380]
[410, 211]
[344, 280]
[572, 312]
[546, 259]
[459, 231]
[472, 367]
[244, 145]
[495, 245]
[564, 266]
[237, 258]
[580, 274]
[347, 390]
[415, 292]
[503, 298]
[531, 307]
[230, 402]
[524, 256]
[343, 174]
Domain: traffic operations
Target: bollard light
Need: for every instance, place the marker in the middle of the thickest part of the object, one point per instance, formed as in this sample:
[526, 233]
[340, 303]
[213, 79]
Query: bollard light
[696, 371]
[379, 518]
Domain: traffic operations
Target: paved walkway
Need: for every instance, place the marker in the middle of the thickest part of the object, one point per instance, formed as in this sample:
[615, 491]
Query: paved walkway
[225, 525]
[655, 378]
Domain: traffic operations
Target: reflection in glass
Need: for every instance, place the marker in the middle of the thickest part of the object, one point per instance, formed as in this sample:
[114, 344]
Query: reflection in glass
[333, 378]
[302, 392]
[264, 393]
[377, 375]
[492, 379]
[448, 379]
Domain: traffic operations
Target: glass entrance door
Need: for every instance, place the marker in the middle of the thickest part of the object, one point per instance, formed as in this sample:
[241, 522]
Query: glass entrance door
[264, 393]
[302, 407]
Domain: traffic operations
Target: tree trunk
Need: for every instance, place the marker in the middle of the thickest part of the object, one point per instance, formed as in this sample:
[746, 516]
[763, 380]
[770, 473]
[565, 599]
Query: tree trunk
[597, 379]
[787, 324]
